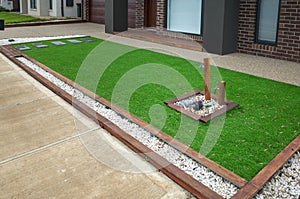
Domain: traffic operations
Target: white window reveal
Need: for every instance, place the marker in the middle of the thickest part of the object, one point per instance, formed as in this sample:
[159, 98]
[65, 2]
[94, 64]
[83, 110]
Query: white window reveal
[184, 16]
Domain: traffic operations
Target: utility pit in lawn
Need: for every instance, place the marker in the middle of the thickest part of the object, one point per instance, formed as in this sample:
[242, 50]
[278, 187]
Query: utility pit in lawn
[201, 105]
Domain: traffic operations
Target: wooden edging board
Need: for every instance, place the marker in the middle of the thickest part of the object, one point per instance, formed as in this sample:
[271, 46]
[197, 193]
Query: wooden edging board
[180, 177]
[257, 183]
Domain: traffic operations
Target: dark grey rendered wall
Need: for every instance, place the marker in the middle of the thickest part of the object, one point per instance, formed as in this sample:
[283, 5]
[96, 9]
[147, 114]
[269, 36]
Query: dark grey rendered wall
[220, 27]
[116, 15]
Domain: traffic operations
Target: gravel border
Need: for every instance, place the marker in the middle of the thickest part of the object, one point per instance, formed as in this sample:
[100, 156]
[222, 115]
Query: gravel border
[285, 183]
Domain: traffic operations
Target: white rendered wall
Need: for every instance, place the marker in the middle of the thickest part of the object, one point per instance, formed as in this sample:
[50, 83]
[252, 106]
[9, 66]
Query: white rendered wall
[71, 11]
[43, 8]
[55, 12]
[68, 11]
[6, 4]
[32, 11]
[23, 7]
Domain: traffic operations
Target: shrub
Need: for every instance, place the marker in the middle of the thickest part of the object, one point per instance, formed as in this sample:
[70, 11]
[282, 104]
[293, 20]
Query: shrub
[2, 9]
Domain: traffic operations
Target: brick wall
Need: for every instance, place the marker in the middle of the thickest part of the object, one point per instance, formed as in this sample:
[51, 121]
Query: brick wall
[288, 45]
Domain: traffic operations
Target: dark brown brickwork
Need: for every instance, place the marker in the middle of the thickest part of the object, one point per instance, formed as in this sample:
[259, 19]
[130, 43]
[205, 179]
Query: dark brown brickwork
[161, 14]
[139, 14]
[86, 14]
[288, 45]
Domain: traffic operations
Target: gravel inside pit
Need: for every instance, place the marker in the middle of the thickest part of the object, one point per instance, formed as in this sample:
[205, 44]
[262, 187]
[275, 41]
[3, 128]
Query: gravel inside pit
[190, 103]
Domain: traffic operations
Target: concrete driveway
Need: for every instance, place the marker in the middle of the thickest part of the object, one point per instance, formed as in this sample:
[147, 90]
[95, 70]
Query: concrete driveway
[42, 154]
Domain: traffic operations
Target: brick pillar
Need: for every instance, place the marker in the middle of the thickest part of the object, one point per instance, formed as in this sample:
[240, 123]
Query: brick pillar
[139, 13]
[86, 14]
[161, 14]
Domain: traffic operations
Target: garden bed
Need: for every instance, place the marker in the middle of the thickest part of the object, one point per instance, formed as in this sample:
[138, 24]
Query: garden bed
[253, 134]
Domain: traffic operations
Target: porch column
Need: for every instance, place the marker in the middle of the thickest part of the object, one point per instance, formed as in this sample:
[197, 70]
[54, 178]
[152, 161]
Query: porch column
[43, 7]
[116, 15]
[23, 7]
[220, 28]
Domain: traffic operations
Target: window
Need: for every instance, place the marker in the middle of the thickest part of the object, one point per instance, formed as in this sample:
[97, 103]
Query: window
[184, 16]
[50, 4]
[33, 4]
[267, 21]
[70, 3]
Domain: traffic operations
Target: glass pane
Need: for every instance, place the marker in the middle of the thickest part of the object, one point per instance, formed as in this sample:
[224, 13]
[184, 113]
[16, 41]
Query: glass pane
[184, 16]
[33, 4]
[70, 2]
[268, 20]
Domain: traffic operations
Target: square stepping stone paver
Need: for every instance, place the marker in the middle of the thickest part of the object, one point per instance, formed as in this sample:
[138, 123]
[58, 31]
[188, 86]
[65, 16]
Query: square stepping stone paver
[58, 43]
[40, 45]
[74, 41]
[88, 40]
[23, 48]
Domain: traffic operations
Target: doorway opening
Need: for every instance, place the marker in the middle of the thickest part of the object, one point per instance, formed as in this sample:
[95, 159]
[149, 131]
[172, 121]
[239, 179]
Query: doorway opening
[150, 13]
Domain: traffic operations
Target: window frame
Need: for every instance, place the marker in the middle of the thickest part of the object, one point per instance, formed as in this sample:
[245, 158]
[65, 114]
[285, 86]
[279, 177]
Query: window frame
[33, 4]
[259, 41]
[69, 3]
[50, 4]
[202, 20]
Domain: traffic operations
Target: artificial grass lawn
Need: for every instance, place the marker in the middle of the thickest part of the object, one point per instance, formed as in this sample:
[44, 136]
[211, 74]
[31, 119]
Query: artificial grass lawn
[10, 18]
[267, 120]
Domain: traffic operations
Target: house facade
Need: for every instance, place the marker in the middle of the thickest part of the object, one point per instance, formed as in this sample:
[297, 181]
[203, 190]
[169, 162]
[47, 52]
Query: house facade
[54, 8]
[12, 5]
[268, 28]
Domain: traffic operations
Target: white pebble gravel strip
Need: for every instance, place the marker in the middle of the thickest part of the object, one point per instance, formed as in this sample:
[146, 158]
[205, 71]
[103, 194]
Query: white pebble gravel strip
[182, 161]
[285, 183]
[33, 39]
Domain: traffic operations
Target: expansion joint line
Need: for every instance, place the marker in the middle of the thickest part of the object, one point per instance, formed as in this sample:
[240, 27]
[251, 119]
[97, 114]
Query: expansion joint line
[45, 147]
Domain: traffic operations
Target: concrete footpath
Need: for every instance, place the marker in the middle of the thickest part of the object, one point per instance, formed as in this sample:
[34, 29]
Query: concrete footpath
[44, 152]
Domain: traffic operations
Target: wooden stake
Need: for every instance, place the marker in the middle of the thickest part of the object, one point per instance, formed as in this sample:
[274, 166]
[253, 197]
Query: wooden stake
[221, 97]
[207, 79]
